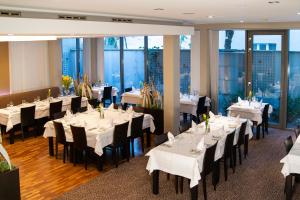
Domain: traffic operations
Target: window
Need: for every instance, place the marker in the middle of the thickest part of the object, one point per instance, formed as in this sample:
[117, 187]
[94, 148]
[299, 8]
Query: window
[293, 99]
[133, 61]
[185, 63]
[112, 61]
[72, 53]
[232, 67]
[155, 61]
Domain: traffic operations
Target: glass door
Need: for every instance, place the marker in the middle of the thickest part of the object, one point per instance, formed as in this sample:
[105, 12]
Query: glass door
[266, 73]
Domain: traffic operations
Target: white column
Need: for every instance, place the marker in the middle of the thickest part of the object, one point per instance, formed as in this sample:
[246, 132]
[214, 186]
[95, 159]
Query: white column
[195, 61]
[55, 62]
[100, 59]
[171, 73]
[87, 57]
[214, 67]
[204, 63]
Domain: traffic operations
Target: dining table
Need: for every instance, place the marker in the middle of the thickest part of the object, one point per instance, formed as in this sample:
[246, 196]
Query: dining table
[10, 116]
[99, 131]
[188, 103]
[291, 167]
[98, 92]
[182, 159]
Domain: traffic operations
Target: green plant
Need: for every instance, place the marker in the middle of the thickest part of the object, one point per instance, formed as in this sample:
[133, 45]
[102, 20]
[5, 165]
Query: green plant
[4, 166]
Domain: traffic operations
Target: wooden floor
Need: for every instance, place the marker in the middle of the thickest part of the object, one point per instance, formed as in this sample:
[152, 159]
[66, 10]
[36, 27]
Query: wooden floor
[42, 176]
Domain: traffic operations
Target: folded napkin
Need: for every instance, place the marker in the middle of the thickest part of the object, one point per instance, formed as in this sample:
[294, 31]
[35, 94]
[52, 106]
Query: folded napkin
[211, 115]
[238, 118]
[200, 145]
[89, 107]
[239, 100]
[111, 106]
[194, 125]
[171, 138]
[68, 113]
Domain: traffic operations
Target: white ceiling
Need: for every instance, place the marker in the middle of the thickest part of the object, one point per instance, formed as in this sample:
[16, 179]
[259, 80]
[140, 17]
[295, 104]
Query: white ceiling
[229, 11]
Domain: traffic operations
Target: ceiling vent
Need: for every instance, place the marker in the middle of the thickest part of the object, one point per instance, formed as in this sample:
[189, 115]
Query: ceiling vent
[122, 20]
[71, 17]
[7, 13]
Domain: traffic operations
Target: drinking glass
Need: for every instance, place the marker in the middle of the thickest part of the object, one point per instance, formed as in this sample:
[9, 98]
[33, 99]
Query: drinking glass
[23, 101]
[38, 98]
[11, 104]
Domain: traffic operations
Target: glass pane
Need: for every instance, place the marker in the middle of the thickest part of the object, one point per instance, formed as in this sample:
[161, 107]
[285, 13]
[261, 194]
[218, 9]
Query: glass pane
[71, 48]
[112, 61]
[185, 63]
[133, 61]
[293, 102]
[155, 61]
[232, 67]
[266, 71]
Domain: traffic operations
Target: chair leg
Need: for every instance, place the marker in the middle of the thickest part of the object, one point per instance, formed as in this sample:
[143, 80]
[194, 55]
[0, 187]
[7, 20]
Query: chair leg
[234, 156]
[127, 150]
[246, 146]
[56, 150]
[176, 184]
[23, 133]
[267, 126]
[168, 176]
[115, 155]
[142, 142]
[204, 187]
[263, 129]
[181, 185]
[225, 168]
[132, 147]
[64, 154]
[231, 162]
[240, 154]
[74, 157]
[85, 158]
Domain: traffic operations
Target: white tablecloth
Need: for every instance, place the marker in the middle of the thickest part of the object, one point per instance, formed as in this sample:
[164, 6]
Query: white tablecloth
[98, 92]
[11, 116]
[188, 104]
[132, 97]
[99, 131]
[291, 162]
[252, 111]
[179, 159]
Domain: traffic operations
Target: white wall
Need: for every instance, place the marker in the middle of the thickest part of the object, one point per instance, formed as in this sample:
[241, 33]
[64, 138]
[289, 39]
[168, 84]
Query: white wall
[29, 68]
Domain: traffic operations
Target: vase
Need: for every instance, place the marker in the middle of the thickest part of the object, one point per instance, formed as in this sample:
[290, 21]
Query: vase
[67, 91]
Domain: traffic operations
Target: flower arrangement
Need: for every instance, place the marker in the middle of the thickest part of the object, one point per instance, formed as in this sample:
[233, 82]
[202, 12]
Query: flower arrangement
[49, 93]
[100, 109]
[151, 97]
[250, 96]
[84, 89]
[66, 82]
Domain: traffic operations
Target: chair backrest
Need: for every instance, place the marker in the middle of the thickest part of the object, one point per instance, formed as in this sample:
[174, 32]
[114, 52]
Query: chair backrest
[120, 134]
[137, 126]
[161, 138]
[59, 132]
[75, 104]
[229, 144]
[82, 109]
[128, 89]
[79, 137]
[297, 132]
[209, 159]
[55, 107]
[241, 139]
[107, 92]
[28, 116]
[93, 102]
[288, 143]
[59, 115]
[201, 109]
[265, 114]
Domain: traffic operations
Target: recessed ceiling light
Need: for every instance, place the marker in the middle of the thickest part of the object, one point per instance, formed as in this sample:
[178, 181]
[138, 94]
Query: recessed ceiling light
[210, 16]
[158, 9]
[241, 21]
[188, 13]
[273, 2]
[298, 13]
[10, 34]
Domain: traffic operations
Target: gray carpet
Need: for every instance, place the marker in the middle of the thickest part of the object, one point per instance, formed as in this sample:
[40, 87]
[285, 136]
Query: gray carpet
[257, 178]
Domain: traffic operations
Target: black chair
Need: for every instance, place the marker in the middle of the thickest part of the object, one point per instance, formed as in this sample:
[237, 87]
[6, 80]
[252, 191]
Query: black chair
[60, 139]
[137, 131]
[55, 107]
[59, 115]
[82, 109]
[120, 140]
[297, 132]
[128, 89]
[240, 142]
[265, 120]
[288, 143]
[79, 144]
[28, 120]
[75, 104]
[201, 108]
[107, 95]
[228, 154]
[94, 102]
[159, 139]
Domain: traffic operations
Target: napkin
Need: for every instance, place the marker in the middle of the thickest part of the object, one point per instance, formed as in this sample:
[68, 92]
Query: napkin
[211, 115]
[239, 99]
[200, 145]
[194, 125]
[111, 106]
[68, 113]
[89, 107]
[130, 109]
[171, 138]
[238, 118]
